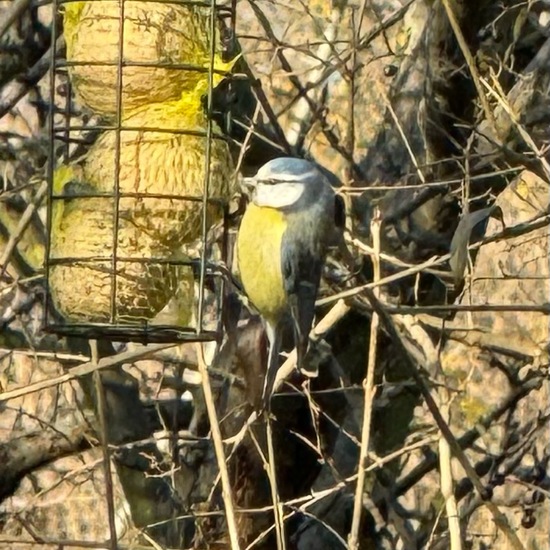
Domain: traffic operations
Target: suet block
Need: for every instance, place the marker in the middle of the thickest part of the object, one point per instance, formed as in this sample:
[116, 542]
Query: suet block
[158, 168]
[82, 287]
[153, 33]
[155, 161]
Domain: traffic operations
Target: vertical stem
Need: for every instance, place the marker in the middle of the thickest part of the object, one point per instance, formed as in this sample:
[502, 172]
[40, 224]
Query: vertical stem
[470, 61]
[498, 517]
[350, 73]
[369, 391]
[445, 471]
[109, 493]
[227, 495]
[277, 505]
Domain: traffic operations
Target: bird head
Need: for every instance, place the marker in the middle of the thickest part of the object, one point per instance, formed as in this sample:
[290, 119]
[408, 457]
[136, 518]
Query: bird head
[286, 183]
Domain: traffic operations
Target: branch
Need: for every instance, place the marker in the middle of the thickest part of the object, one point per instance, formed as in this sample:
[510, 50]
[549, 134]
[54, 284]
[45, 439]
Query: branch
[499, 518]
[24, 454]
[17, 8]
[141, 352]
[15, 90]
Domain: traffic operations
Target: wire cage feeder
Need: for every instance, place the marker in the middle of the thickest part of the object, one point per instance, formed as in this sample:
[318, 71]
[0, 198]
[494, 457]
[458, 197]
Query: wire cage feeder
[139, 176]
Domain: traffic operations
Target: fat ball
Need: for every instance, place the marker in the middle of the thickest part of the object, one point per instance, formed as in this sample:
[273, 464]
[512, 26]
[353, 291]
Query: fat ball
[160, 33]
[157, 160]
[83, 238]
[158, 169]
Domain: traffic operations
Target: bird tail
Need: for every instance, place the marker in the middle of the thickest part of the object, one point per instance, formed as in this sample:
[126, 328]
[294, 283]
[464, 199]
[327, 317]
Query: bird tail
[303, 318]
[308, 365]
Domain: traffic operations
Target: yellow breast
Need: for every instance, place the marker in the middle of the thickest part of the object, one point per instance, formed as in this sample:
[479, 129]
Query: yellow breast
[259, 258]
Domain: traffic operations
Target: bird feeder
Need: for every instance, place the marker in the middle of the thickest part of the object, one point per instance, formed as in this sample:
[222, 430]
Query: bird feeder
[139, 175]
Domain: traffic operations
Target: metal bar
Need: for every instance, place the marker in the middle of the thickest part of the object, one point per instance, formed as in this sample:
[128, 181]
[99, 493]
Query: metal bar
[50, 169]
[124, 128]
[116, 204]
[208, 154]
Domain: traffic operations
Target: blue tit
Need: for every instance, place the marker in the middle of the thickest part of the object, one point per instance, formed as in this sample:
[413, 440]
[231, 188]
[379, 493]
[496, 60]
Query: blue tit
[282, 243]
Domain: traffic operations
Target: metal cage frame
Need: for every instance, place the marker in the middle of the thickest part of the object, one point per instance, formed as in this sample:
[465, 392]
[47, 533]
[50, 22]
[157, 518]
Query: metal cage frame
[143, 330]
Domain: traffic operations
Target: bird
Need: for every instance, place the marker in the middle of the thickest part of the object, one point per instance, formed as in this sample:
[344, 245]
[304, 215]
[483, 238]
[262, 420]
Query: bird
[289, 225]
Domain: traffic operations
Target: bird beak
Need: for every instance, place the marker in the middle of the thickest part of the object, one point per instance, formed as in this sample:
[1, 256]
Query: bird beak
[247, 185]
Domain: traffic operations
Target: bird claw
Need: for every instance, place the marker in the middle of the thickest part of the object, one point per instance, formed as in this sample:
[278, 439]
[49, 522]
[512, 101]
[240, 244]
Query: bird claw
[309, 371]
[318, 352]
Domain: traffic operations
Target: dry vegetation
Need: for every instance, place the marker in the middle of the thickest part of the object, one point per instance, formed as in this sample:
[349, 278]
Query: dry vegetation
[428, 424]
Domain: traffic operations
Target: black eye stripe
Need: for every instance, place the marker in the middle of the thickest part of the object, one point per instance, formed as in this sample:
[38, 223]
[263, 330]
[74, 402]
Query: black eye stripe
[275, 182]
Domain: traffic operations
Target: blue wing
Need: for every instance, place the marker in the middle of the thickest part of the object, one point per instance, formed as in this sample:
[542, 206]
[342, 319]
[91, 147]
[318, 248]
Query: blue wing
[302, 264]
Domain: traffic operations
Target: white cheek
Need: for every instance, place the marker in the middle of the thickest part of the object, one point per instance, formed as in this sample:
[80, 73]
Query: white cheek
[278, 195]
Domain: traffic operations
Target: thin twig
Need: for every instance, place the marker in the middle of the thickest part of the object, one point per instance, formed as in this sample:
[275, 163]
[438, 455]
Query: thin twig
[410, 361]
[15, 11]
[347, 54]
[468, 439]
[247, 138]
[278, 514]
[362, 11]
[452, 308]
[301, 118]
[272, 507]
[385, 280]
[337, 312]
[21, 226]
[11, 93]
[447, 489]
[503, 102]
[100, 403]
[227, 494]
[359, 189]
[522, 228]
[434, 528]
[52, 355]
[154, 544]
[405, 141]
[307, 501]
[470, 62]
[369, 391]
[85, 369]
[303, 90]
